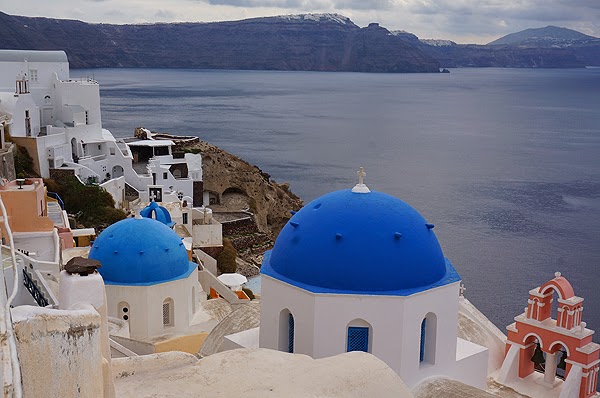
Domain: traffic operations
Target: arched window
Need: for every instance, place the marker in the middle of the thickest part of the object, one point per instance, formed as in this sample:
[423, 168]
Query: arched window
[124, 312]
[167, 312]
[286, 331]
[358, 333]
[427, 344]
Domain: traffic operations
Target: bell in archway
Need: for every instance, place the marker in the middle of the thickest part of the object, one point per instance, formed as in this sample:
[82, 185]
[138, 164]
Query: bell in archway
[562, 364]
[538, 356]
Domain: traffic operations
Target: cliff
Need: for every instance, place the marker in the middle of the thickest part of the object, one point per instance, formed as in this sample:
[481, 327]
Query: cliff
[310, 42]
[230, 179]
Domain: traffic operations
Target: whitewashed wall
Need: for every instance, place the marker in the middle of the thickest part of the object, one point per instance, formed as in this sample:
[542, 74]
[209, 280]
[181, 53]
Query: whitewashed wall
[321, 321]
[59, 352]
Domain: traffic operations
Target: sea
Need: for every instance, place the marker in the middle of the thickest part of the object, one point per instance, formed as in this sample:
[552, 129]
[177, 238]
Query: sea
[504, 162]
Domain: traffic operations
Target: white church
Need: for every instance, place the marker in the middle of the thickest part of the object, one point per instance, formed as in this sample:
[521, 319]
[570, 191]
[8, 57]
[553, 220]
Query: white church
[358, 270]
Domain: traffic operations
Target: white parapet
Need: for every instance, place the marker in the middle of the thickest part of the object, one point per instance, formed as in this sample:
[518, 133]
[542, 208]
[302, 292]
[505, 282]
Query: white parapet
[59, 352]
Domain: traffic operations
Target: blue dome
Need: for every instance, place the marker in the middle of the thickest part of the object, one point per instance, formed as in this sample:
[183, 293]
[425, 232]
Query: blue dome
[140, 251]
[159, 213]
[348, 242]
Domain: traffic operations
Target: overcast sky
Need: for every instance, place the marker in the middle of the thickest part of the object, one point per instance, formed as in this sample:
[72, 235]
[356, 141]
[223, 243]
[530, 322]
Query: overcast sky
[464, 21]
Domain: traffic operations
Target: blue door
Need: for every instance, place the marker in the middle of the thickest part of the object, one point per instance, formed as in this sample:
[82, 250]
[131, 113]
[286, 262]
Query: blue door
[358, 339]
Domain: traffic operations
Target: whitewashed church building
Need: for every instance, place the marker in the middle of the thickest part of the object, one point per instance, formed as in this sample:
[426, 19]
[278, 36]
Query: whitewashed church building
[358, 270]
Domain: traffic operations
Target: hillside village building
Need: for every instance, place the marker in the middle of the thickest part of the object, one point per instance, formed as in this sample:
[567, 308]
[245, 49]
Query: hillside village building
[326, 293]
[57, 119]
[353, 271]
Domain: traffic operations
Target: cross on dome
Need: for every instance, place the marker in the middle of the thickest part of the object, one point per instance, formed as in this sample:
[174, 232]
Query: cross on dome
[361, 187]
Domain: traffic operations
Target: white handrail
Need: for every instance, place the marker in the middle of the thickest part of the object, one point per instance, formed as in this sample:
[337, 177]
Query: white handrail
[16, 369]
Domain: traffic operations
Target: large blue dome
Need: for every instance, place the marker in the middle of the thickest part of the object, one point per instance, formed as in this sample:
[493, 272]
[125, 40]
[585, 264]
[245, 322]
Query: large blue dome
[140, 251]
[348, 242]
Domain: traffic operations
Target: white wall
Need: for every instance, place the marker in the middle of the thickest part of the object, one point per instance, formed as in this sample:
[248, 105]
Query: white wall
[59, 352]
[321, 322]
[116, 188]
[208, 235]
[79, 92]
[24, 103]
[146, 304]
[45, 73]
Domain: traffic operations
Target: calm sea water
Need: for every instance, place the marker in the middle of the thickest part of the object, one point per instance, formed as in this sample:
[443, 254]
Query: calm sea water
[505, 163]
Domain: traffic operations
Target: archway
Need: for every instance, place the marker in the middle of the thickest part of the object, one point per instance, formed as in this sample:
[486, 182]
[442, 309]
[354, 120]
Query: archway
[117, 171]
[428, 339]
[286, 331]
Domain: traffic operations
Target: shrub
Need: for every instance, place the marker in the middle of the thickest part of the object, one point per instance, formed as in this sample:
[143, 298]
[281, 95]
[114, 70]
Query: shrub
[23, 163]
[249, 293]
[226, 259]
[93, 206]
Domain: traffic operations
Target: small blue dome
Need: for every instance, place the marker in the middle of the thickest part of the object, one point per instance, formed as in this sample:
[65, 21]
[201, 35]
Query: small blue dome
[159, 213]
[349, 242]
[140, 251]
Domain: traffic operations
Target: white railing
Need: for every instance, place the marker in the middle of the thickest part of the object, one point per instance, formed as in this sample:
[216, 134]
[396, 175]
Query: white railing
[10, 369]
[80, 80]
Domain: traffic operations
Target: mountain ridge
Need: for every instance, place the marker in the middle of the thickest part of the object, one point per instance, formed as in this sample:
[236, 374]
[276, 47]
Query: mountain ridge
[547, 36]
[314, 42]
[306, 42]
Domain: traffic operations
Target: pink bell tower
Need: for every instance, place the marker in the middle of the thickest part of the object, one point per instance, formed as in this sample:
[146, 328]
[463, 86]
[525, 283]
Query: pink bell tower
[537, 338]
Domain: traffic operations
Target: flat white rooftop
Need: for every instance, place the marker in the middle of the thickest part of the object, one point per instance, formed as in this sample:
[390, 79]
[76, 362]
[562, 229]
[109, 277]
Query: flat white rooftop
[32, 56]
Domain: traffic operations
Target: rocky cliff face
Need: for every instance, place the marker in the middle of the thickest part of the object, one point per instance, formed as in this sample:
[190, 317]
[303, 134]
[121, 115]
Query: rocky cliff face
[470, 55]
[326, 42]
[226, 175]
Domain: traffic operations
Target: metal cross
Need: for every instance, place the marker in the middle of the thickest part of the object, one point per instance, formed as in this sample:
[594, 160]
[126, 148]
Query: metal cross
[361, 176]
[153, 196]
[462, 290]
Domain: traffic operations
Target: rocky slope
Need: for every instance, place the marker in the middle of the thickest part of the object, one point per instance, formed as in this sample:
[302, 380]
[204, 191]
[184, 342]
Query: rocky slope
[327, 42]
[269, 201]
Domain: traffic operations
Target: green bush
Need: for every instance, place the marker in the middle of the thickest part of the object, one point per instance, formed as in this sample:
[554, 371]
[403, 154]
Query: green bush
[93, 206]
[23, 163]
[226, 259]
[249, 293]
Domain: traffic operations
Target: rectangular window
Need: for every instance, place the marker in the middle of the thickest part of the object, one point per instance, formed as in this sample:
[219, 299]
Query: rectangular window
[87, 117]
[185, 218]
[164, 176]
[33, 75]
[167, 313]
[112, 151]
[358, 339]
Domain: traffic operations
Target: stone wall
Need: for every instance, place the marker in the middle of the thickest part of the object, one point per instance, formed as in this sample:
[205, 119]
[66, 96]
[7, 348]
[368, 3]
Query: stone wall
[244, 242]
[60, 174]
[7, 161]
[242, 226]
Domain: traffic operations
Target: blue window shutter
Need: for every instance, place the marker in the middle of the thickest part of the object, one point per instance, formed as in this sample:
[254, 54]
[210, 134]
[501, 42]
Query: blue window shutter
[358, 339]
[422, 348]
[290, 333]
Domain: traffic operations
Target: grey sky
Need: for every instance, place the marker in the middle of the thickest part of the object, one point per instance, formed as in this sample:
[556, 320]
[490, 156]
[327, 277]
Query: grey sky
[465, 21]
